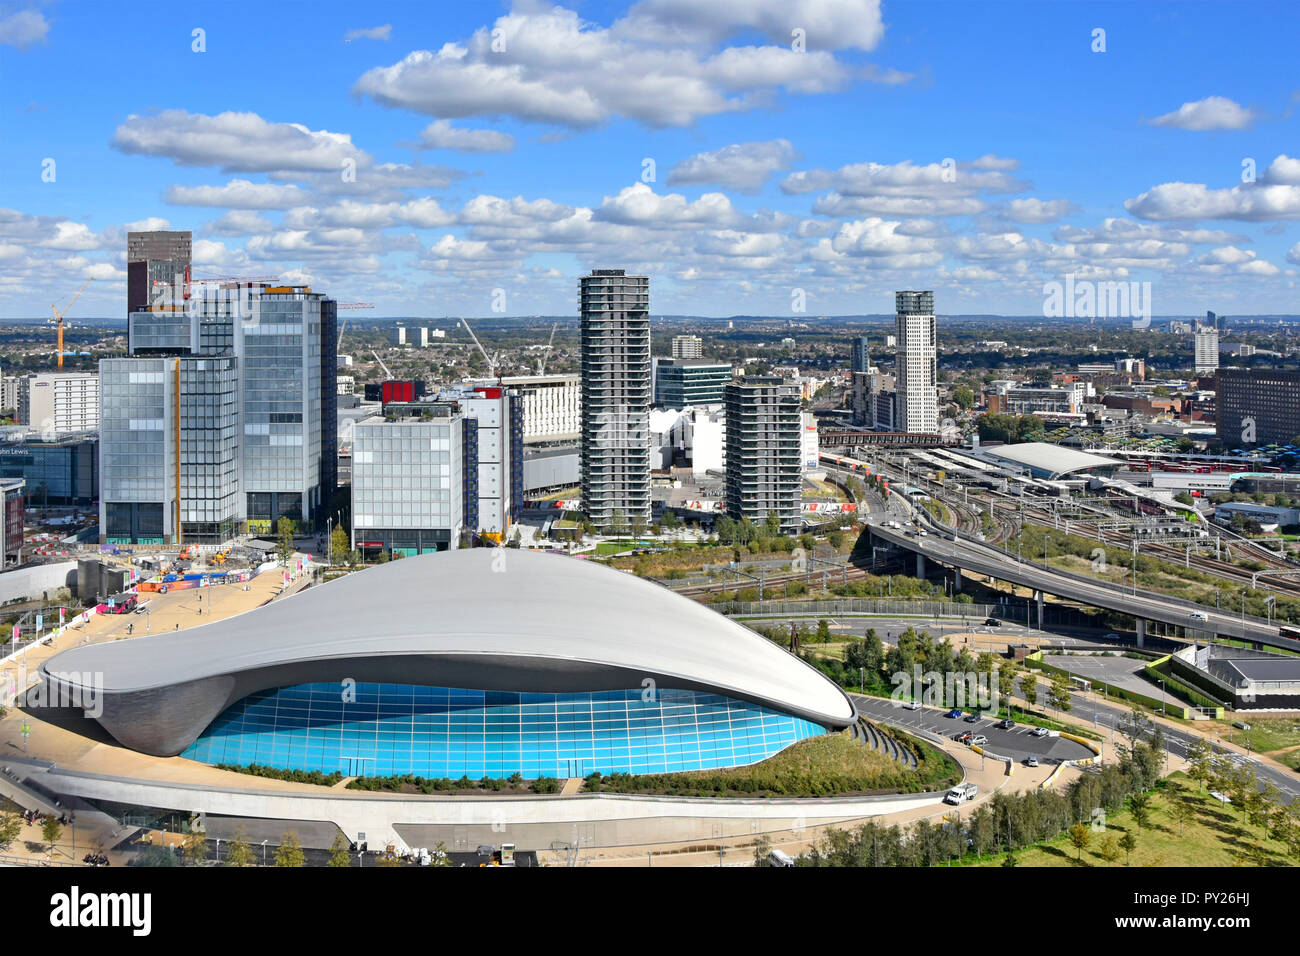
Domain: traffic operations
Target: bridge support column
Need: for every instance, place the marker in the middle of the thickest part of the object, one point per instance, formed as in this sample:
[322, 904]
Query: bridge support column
[920, 566]
[1038, 601]
[1142, 632]
[956, 584]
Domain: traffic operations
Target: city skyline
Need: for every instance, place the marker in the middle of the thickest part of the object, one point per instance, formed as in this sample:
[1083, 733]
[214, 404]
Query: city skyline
[481, 176]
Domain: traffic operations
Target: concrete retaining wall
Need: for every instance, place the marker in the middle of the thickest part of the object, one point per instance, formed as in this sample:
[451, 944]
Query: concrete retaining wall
[591, 820]
[28, 583]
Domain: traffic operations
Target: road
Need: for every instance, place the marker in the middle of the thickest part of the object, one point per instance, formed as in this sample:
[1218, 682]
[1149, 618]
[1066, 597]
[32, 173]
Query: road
[1109, 717]
[981, 559]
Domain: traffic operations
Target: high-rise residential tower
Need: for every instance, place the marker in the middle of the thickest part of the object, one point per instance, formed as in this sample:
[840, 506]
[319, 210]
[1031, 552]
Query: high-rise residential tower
[861, 358]
[915, 367]
[614, 460]
[687, 346]
[1207, 349]
[764, 451]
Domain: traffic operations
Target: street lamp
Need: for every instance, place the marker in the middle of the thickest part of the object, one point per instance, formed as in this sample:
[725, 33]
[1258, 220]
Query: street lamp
[264, 852]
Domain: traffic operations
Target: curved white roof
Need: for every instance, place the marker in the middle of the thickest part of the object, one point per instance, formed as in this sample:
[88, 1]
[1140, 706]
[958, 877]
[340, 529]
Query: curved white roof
[486, 603]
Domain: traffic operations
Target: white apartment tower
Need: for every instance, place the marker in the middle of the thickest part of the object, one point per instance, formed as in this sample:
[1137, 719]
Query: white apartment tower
[1207, 349]
[688, 346]
[614, 459]
[915, 369]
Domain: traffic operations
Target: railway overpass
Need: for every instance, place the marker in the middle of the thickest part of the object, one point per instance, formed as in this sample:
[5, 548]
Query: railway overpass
[961, 554]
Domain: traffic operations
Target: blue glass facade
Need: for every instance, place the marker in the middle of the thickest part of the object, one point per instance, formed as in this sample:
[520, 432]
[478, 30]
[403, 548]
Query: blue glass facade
[443, 732]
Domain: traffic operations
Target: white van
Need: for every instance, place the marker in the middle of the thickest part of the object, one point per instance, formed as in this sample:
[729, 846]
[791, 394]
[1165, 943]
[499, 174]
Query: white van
[1198, 616]
[779, 858]
[961, 794]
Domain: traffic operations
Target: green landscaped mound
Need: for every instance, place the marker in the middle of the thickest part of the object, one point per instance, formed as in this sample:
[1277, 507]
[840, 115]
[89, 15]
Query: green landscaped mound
[829, 766]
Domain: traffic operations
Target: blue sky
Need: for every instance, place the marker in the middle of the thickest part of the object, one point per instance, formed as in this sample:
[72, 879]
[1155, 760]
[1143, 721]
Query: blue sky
[980, 149]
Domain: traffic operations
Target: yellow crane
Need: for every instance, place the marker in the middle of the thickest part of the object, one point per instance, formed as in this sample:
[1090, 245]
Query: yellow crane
[58, 316]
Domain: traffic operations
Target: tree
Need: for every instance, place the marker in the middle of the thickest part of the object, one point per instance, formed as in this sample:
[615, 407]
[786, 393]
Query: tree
[964, 397]
[1080, 837]
[1006, 681]
[239, 853]
[1140, 807]
[284, 528]
[1183, 812]
[340, 852]
[51, 830]
[339, 546]
[11, 825]
[194, 848]
[289, 852]
[772, 525]
[617, 523]
[669, 521]
[835, 539]
[1058, 693]
[762, 847]
[1128, 843]
[1110, 848]
[1028, 684]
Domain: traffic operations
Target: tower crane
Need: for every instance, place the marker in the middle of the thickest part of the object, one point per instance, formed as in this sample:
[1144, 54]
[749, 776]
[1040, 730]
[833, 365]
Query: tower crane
[546, 352]
[492, 360]
[387, 373]
[58, 317]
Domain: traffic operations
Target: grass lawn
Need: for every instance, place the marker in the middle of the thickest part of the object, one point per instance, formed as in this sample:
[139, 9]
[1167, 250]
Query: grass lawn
[1215, 837]
[1266, 734]
[830, 765]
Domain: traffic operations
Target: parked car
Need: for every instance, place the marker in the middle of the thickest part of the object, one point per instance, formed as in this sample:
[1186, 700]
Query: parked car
[977, 740]
[971, 717]
[1006, 724]
[1040, 732]
[962, 738]
[992, 622]
[1031, 761]
[911, 705]
[955, 712]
